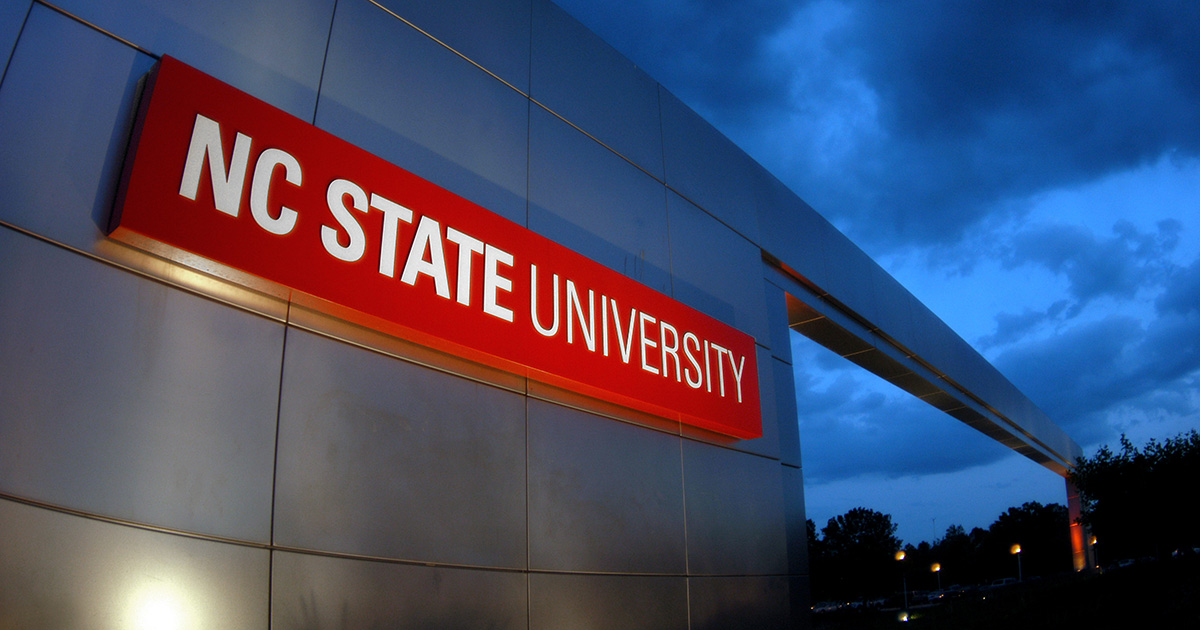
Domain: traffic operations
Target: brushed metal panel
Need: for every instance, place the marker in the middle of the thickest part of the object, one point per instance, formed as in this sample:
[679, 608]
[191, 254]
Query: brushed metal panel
[800, 598]
[792, 232]
[779, 335]
[384, 458]
[580, 77]
[12, 17]
[589, 200]
[492, 33]
[734, 603]
[62, 571]
[715, 270]
[66, 108]
[707, 168]
[896, 303]
[852, 276]
[601, 602]
[735, 513]
[127, 398]
[768, 445]
[796, 526]
[785, 410]
[604, 496]
[309, 591]
[272, 49]
[402, 96]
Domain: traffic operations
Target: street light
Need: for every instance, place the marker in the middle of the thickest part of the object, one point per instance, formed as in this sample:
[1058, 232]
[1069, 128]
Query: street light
[1095, 554]
[903, 579]
[1016, 551]
[936, 567]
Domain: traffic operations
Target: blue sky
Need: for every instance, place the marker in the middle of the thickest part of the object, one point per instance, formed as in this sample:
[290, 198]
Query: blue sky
[1029, 170]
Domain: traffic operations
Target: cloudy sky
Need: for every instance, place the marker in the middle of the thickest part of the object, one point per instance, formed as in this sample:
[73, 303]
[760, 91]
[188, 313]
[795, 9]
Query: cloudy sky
[1029, 170]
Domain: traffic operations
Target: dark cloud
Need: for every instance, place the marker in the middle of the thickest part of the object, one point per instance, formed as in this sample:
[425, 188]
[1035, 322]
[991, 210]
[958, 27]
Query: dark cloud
[1089, 373]
[1012, 327]
[1119, 266]
[985, 102]
[1182, 294]
[912, 122]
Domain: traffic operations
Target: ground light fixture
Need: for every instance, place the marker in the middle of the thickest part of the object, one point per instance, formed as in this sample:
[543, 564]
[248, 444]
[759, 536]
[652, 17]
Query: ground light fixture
[1016, 551]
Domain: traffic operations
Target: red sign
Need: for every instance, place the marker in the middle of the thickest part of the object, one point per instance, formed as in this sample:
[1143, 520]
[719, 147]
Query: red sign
[219, 174]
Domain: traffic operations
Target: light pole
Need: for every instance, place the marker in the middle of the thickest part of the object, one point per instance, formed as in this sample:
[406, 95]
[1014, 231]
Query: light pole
[903, 577]
[1016, 551]
[936, 567]
[1095, 553]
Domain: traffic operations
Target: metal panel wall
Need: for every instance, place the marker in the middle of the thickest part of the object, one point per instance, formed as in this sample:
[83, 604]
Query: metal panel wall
[12, 17]
[383, 458]
[716, 270]
[588, 199]
[309, 591]
[130, 399]
[357, 487]
[750, 603]
[272, 49]
[577, 75]
[408, 99]
[708, 169]
[785, 410]
[603, 496]
[600, 602]
[735, 514]
[491, 33]
[62, 571]
[66, 107]
[780, 340]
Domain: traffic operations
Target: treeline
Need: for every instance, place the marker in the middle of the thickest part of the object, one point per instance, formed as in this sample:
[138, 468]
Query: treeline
[1141, 502]
[1136, 503]
[854, 556]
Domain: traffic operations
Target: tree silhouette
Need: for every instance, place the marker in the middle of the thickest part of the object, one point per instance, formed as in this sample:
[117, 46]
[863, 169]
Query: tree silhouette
[1137, 502]
[854, 558]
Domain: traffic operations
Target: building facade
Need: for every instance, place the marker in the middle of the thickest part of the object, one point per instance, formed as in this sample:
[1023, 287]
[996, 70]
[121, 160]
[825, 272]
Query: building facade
[183, 445]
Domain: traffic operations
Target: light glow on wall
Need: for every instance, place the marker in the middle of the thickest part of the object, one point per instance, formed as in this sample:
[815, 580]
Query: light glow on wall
[158, 608]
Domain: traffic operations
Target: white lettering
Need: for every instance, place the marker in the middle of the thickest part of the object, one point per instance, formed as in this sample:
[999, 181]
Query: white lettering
[492, 282]
[624, 342]
[467, 245]
[646, 342]
[589, 331]
[687, 351]
[737, 373]
[260, 188]
[227, 186]
[707, 369]
[533, 304]
[721, 366]
[428, 238]
[393, 214]
[671, 349]
[604, 319]
[335, 199]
